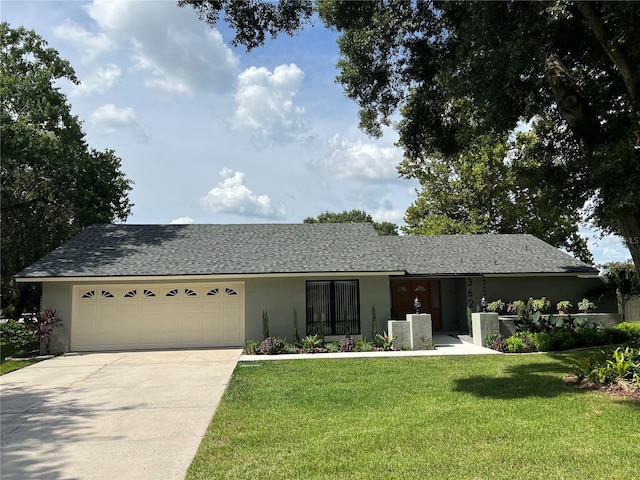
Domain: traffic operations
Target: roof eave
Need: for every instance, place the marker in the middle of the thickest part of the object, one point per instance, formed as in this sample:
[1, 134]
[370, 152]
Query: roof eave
[224, 276]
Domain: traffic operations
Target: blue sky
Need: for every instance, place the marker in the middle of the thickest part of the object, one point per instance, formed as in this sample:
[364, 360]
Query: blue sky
[212, 134]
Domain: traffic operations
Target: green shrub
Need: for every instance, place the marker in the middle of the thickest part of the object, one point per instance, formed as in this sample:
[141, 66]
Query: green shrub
[332, 347]
[289, 348]
[588, 337]
[606, 367]
[632, 329]
[16, 337]
[386, 341]
[526, 340]
[272, 346]
[252, 347]
[312, 343]
[542, 341]
[496, 342]
[562, 340]
[363, 345]
[515, 344]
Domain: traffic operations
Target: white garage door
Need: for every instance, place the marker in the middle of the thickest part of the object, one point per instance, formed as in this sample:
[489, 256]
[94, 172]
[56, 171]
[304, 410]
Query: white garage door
[135, 317]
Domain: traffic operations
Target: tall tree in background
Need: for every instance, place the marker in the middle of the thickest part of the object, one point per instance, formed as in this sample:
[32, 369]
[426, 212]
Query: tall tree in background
[456, 71]
[354, 216]
[497, 186]
[53, 183]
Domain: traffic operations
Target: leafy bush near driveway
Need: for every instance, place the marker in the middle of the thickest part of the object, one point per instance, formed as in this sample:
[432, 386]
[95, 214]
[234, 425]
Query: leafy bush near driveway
[272, 346]
[17, 337]
[252, 347]
[43, 325]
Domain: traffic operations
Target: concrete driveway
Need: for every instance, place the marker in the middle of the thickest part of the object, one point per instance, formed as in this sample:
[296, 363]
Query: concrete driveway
[124, 415]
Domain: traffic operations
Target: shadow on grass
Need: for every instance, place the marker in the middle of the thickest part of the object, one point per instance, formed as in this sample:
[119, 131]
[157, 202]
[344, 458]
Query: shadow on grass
[531, 379]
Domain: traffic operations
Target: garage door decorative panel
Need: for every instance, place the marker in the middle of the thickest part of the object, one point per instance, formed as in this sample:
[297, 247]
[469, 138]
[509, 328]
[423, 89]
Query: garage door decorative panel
[112, 317]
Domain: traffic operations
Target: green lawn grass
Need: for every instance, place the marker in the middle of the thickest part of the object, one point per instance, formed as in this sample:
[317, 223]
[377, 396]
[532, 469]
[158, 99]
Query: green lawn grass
[7, 366]
[471, 417]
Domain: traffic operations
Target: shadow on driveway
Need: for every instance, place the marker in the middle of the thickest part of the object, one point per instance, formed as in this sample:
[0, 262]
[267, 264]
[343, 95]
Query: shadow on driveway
[37, 423]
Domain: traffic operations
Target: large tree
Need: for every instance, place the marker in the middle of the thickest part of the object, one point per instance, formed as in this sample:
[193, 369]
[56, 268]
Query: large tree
[496, 186]
[457, 70]
[53, 183]
[354, 216]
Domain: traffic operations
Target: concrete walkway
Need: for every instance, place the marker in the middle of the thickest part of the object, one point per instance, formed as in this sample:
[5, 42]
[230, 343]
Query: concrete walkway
[445, 345]
[128, 415]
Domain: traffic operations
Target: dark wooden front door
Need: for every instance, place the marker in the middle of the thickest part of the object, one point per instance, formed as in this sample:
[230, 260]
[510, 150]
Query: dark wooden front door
[404, 292]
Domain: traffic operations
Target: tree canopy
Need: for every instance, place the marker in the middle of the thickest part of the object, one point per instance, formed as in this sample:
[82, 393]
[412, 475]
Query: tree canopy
[53, 183]
[496, 187]
[354, 216]
[457, 71]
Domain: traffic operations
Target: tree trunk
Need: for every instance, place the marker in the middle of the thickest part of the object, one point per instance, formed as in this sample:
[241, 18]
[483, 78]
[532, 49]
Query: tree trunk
[629, 223]
[573, 107]
[613, 51]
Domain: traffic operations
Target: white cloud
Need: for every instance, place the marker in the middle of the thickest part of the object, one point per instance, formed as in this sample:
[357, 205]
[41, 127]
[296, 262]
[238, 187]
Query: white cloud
[265, 105]
[89, 44]
[101, 80]
[182, 221]
[361, 160]
[392, 215]
[109, 119]
[182, 55]
[233, 196]
[605, 248]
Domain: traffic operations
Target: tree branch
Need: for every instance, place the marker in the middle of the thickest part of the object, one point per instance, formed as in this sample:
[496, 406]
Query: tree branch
[615, 54]
[573, 107]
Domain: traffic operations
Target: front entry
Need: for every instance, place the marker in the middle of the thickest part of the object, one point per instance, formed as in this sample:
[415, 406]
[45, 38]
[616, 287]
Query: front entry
[404, 292]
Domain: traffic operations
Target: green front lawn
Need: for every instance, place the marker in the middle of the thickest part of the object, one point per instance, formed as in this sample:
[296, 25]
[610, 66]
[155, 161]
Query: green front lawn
[7, 366]
[472, 417]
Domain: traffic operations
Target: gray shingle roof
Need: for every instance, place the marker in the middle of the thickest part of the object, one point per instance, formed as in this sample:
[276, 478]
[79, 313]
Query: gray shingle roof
[488, 254]
[163, 250]
[141, 250]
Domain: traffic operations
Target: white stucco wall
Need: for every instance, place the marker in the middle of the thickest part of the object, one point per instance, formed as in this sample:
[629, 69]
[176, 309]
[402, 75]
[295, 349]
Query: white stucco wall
[278, 296]
[57, 295]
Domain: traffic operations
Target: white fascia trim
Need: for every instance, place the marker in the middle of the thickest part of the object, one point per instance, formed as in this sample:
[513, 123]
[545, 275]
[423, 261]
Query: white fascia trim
[563, 274]
[173, 278]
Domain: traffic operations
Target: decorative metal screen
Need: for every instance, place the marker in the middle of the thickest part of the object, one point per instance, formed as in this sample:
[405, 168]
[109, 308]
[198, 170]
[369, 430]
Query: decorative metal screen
[337, 303]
